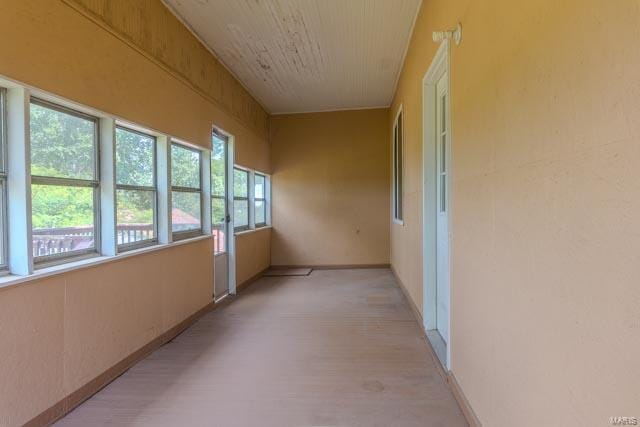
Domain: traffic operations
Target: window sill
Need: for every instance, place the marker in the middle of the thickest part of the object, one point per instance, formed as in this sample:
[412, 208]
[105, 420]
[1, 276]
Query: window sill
[252, 230]
[398, 221]
[11, 280]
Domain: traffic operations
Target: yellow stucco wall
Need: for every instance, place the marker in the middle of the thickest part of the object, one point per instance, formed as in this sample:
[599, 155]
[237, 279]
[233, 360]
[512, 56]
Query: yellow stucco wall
[60, 332]
[545, 202]
[255, 248]
[330, 188]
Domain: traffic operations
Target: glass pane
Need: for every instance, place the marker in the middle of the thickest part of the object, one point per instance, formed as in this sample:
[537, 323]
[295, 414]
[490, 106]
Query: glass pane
[62, 145]
[219, 238]
[217, 211]
[443, 115]
[395, 171]
[135, 158]
[259, 186]
[2, 119]
[218, 169]
[398, 173]
[3, 257]
[260, 212]
[240, 183]
[443, 154]
[62, 219]
[443, 193]
[185, 211]
[185, 167]
[218, 224]
[136, 215]
[240, 213]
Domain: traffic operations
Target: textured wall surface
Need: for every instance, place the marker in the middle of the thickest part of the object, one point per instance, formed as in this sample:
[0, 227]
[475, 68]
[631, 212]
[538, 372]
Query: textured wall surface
[59, 333]
[330, 188]
[154, 30]
[255, 248]
[545, 205]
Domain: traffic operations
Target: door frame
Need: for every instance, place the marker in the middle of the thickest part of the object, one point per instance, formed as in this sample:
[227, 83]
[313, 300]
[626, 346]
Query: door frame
[439, 66]
[231, 239]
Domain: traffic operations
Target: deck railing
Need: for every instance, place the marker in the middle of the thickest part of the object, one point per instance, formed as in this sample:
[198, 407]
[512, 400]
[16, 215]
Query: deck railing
[50, 241]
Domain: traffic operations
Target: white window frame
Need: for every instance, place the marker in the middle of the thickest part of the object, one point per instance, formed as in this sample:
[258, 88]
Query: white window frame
[94, 184]
[248, 199]
[4, 241]
[251, 198]
[397, 169]
[204, 219]
[153, 188]
[15, 132]
[262, 199]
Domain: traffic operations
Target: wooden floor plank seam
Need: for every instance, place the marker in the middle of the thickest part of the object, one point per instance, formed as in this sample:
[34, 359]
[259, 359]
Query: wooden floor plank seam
[336, 348]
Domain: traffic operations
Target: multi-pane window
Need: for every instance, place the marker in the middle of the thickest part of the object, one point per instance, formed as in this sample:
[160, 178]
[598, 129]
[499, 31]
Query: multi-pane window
[3, 182]
[397, 168]
[73, 212]
[65, 181]
[219, 193]
[260, 200]
[135, 189]
[186, 191]
[240, 199]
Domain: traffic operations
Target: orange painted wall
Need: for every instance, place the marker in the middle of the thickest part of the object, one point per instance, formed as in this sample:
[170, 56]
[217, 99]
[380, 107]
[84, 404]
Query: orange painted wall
[330, 188]
[545, 203]
[60, 332]
[255, 248]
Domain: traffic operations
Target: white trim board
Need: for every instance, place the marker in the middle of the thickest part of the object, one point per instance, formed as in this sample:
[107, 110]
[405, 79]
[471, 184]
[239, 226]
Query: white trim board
[439, 66]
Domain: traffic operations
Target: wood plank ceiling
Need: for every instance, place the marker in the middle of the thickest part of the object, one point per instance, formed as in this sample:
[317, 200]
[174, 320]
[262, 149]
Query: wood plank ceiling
[307, 55]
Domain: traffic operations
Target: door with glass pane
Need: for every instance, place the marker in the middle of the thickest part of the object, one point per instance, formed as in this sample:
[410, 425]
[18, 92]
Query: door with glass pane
[220, 214]
[442, 216]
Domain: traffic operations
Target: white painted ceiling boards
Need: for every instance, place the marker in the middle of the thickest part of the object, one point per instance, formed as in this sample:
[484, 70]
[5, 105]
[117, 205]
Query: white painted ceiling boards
[307, 55]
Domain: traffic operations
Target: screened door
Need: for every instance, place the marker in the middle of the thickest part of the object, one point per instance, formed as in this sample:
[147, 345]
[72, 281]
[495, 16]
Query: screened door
[220, 214]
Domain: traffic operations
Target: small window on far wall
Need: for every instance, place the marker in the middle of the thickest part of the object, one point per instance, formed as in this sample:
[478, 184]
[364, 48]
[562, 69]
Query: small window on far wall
[398, 145]
[240, 199]
[260, 200]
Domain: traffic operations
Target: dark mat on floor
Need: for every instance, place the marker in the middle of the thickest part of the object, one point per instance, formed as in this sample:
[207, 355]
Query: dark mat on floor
[288, 272]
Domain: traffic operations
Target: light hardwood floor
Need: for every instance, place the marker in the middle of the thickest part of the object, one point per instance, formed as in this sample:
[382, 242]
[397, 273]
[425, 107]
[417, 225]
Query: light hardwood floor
[336, 348]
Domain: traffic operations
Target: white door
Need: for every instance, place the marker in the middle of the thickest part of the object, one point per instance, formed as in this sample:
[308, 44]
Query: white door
[220, 214]
[442, 214]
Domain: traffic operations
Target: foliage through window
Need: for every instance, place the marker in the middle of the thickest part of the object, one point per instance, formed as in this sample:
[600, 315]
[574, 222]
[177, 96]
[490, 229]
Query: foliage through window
[135, 188]
[65, 182]
[219, 193]
[260, 200]
[186, 191]
[240, 199]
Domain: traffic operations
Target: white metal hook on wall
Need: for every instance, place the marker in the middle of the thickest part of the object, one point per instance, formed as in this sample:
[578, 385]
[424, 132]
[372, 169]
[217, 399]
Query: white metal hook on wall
[455, 35]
